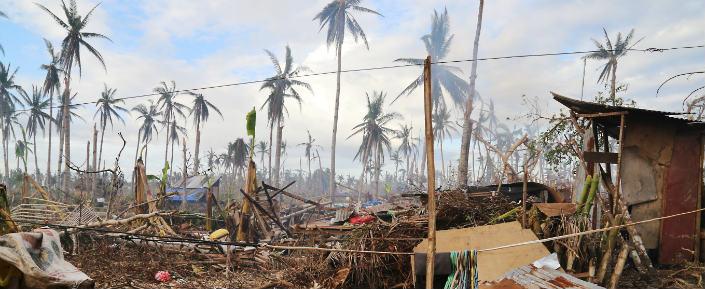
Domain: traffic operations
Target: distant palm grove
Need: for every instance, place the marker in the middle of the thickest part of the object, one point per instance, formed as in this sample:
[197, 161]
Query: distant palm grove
[391, 152]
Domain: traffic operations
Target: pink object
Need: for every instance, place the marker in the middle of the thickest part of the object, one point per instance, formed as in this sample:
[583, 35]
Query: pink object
[162, 276]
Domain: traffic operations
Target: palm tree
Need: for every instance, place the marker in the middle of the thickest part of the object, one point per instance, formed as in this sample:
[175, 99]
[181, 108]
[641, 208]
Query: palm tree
[75, 39]
[237, 154]
[212, 158]
[59, 117]
[36, 118]
[52, 85]
[444, 77]
[611, 53]
[200, 111]
[443, 127]
[170, 109]
[406, 147]
[467, 122]
[262, 149]
[176, 134]
[281, 86]
[396, 158]
[150, 117]
[308, 145]
[107, 108]
[337, 15]
[375, 134]
[8, 114]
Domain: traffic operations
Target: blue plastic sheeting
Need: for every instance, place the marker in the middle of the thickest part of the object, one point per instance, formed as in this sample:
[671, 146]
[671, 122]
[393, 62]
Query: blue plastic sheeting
[370, 203]
[190, 198]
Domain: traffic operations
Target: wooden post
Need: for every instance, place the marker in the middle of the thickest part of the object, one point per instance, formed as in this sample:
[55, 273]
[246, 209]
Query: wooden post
[94, 177]
[428, 107]
[618, 182]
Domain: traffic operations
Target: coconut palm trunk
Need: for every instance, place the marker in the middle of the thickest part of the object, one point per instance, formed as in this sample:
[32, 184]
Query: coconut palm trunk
[377, 173]
[467, 122]
[100, 150]
[5, 158]
[47, 182]
[66, 128]
[60, 163]
[36, 162]
[196, 161]
[443, 162]
[277, 158]
[613, 88]
[335, 120]
[168, 137]
[269, 156]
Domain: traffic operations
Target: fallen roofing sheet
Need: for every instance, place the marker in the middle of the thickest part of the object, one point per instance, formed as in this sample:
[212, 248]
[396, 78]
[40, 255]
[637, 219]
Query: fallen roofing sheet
[528, 276]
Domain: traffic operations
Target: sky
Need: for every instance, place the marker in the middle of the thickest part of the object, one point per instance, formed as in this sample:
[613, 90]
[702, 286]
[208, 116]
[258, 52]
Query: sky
[204, 43]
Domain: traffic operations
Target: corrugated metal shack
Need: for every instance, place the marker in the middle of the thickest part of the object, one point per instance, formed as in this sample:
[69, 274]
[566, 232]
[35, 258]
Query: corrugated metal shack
[659, 163]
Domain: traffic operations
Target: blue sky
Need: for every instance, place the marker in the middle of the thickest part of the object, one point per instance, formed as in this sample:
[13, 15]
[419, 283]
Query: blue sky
[200, 43]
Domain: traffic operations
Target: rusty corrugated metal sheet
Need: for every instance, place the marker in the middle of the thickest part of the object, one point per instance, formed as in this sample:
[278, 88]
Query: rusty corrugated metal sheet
[529, 276]
[678, 235]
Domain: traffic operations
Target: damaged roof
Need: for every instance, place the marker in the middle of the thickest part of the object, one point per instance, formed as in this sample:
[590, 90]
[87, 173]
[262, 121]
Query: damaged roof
[529, 276]
[611, 123]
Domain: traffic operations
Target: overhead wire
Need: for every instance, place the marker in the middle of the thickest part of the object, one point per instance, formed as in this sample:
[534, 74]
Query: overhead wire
[374, 68]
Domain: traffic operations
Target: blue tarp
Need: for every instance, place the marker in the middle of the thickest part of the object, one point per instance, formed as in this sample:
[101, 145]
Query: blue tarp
[190, 198]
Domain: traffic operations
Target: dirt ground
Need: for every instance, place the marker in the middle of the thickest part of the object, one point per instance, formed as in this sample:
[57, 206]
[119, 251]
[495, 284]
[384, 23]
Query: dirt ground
[685, 277]
[114, 265]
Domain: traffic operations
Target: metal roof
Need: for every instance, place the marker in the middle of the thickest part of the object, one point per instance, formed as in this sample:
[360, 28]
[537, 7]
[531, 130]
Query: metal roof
[528, 276]
[580, 106]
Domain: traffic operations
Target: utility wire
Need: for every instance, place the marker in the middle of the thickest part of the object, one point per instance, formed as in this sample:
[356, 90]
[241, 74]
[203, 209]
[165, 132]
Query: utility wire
[374, 68]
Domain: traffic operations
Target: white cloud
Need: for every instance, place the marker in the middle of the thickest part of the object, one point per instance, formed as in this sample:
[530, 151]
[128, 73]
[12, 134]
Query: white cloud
[150, 53]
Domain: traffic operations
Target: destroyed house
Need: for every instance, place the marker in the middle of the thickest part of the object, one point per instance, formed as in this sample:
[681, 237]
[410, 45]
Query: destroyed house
[658, 163]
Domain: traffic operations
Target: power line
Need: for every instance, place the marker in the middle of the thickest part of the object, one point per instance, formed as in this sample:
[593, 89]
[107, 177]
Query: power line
[374, 68]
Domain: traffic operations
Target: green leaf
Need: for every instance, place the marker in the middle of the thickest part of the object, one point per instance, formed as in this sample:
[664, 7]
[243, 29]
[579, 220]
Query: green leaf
[251, 122]
[153, 178]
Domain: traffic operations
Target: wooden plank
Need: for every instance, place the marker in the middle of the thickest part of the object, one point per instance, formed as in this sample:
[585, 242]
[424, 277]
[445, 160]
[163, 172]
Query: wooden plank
[556, 209]
[681, 195]
[492, 264]
[600, 157]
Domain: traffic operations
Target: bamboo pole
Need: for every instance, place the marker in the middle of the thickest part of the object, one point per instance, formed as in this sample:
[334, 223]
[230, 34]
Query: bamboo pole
[619, 266]
[428, 106]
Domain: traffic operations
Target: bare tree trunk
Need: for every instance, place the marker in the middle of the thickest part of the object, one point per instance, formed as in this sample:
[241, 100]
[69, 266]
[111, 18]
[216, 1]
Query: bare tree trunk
[47, 181]
[335, 122]
[277, 157]
[467, 122]
[94, 177]
[196, 161]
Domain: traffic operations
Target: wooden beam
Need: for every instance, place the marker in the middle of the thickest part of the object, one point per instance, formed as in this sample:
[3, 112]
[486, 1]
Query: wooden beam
[602, 114]
[600, 157]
